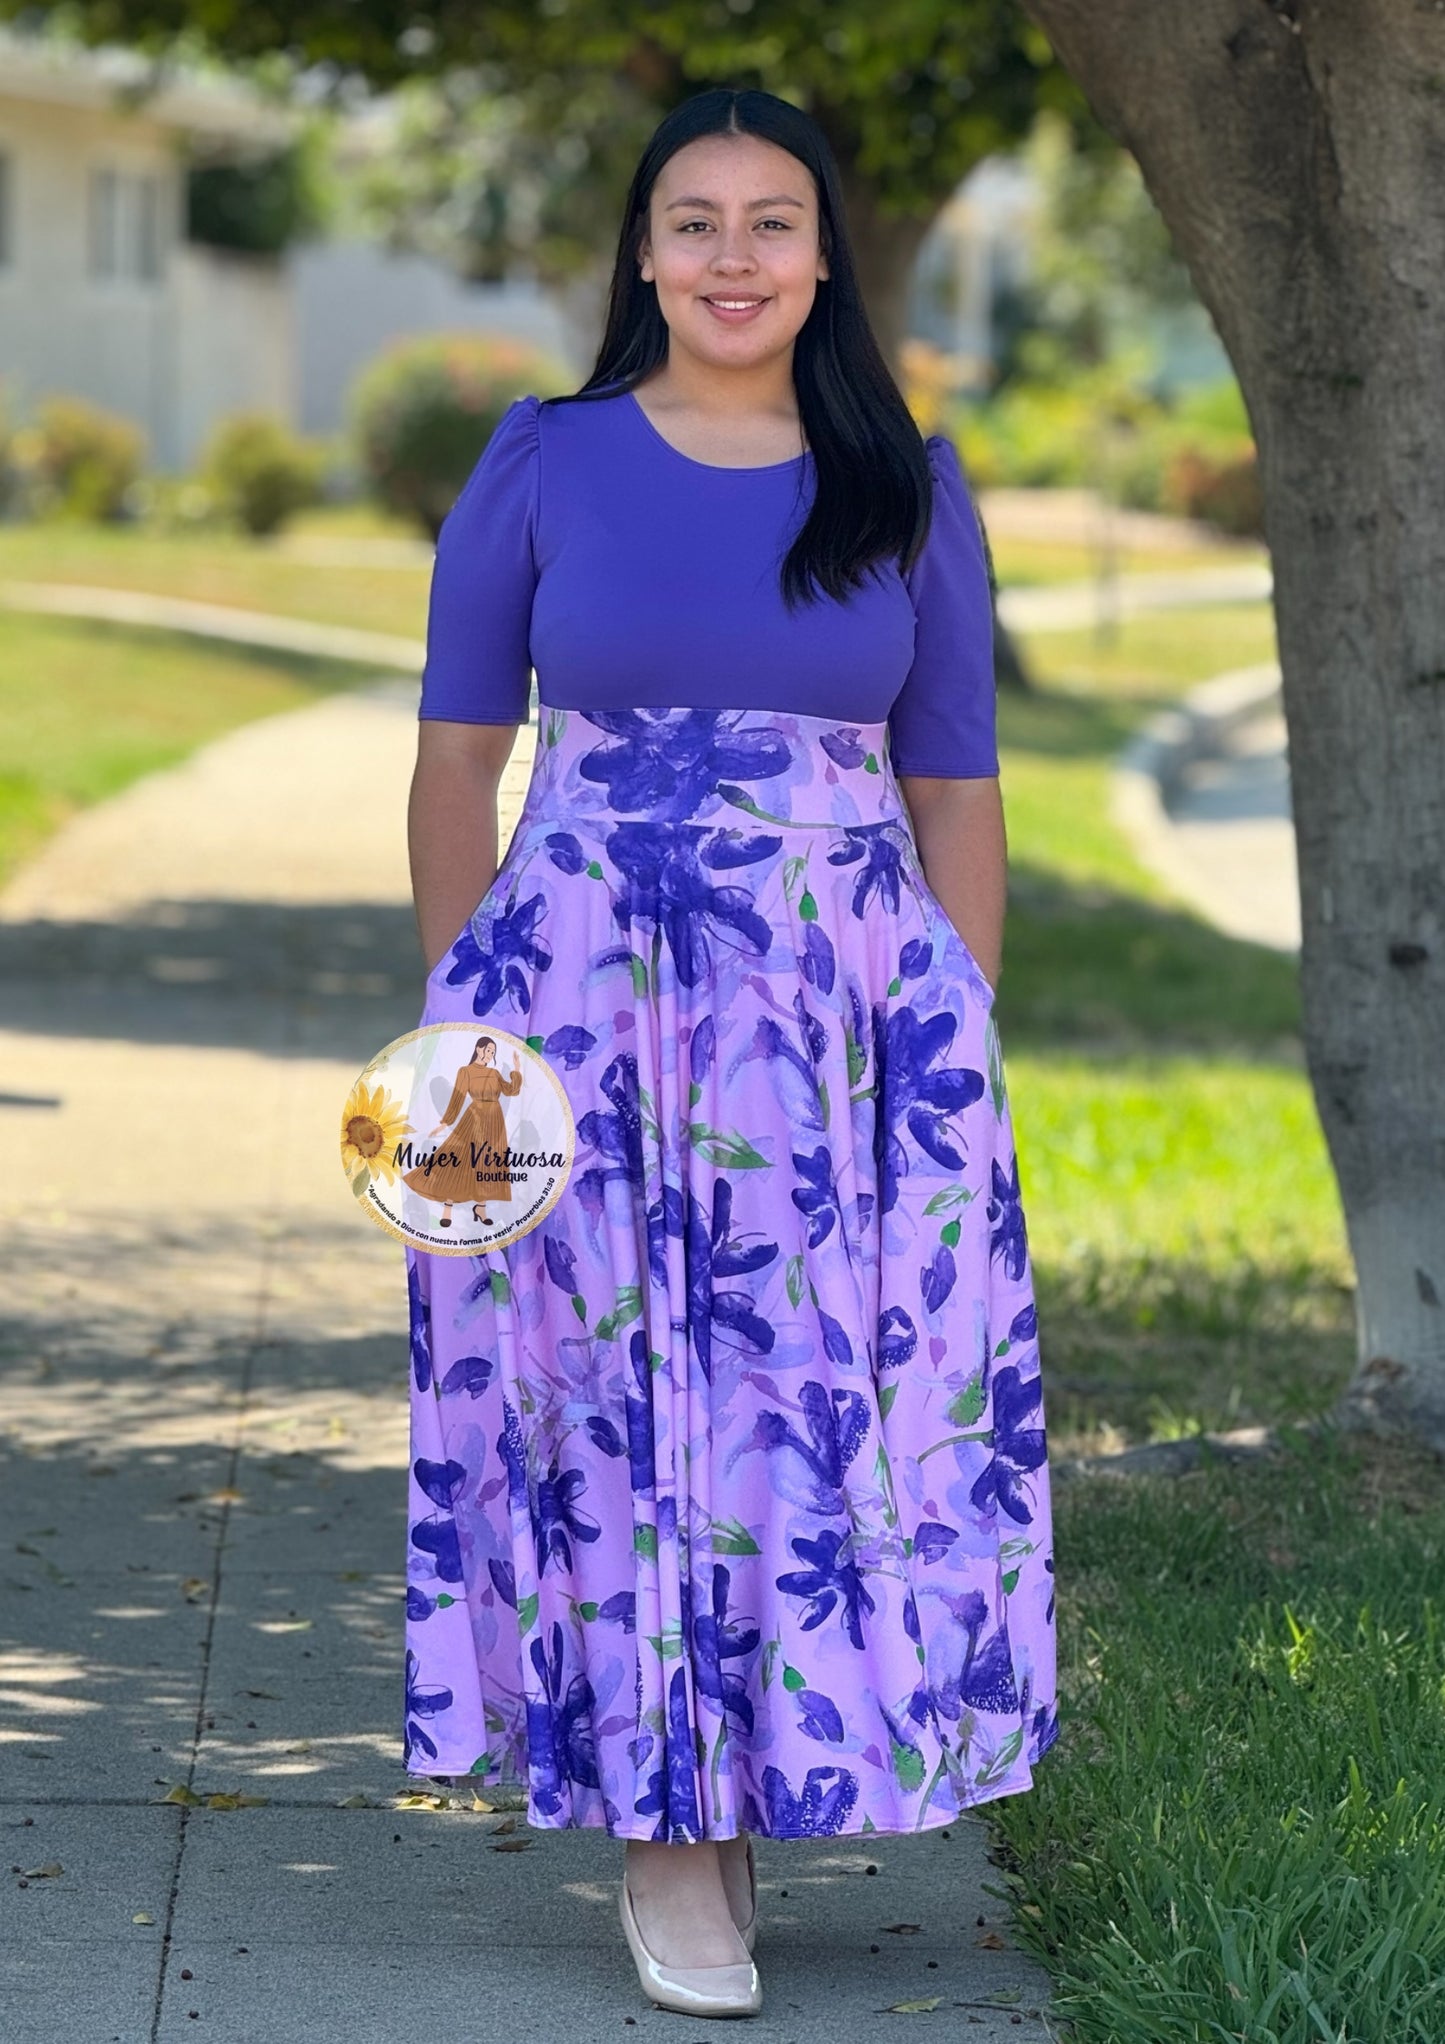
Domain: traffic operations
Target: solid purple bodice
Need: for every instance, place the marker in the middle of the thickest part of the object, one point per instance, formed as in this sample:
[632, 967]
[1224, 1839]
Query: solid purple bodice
[586, 546]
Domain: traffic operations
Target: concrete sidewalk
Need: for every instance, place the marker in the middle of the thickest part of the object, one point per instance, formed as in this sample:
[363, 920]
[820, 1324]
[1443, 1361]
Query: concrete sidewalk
[204, 1370]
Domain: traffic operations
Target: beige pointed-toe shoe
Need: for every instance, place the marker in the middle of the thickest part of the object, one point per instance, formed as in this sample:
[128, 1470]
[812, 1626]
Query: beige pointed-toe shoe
[691, 1990]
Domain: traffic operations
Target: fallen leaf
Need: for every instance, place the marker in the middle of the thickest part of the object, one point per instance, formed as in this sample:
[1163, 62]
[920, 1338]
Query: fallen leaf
[991, 1941]
[903, 1929]
[505, 1828]
[914, 2008]
[301, 1746]
[141, 1917]
[194, 1588]
[357, 1802]
[270, 1694]
[232, 1799]
[180, 1794]
[51, 1868]
[419, 1802]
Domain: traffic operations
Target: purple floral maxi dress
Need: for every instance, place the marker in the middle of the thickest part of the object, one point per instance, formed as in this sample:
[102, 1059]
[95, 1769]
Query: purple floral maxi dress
[728, 1498]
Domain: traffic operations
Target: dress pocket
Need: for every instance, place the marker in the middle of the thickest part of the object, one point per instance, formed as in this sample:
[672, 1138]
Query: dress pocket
[937, 918]
[501, 882]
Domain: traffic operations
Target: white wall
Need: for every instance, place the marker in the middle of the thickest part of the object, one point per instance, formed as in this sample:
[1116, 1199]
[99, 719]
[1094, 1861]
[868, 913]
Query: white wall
[231, 333]
[353, 297]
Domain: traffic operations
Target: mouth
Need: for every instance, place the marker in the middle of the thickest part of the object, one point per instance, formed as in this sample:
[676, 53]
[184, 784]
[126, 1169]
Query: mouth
[745, 305]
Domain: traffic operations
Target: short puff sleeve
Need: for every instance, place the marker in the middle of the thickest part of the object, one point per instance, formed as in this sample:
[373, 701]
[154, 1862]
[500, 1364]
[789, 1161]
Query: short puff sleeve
[943, 719]
[479, 618]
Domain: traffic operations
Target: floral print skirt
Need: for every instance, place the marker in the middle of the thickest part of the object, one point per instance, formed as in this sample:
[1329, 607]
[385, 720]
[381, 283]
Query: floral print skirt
[728, 1497]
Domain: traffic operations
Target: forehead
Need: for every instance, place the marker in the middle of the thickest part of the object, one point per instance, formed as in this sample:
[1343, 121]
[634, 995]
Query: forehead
[720, 170]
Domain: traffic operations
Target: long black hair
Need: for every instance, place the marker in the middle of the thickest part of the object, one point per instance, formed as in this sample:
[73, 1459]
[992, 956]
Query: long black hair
[874, 494]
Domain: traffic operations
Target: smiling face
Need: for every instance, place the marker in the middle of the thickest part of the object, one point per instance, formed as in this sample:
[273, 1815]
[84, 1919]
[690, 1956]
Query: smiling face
[733, 218]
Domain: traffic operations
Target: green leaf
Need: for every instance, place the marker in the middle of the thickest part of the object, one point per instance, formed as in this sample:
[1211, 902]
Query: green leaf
[594, 870]
[730, 1536]
[639, 974]
[793, 1278]
[588, 1611]
[694, 1093]
[501, 1288]
[963, 1410]
[793, 1678]
[1010, 1582]
[957, 1195]
[808, 907]
[1003, 1347]
[527, 1611]
[949, 1233]
[733, 1153]
[886, 1397]
[909, 1765]
[534, 1042]
[895, 987]
[870, 764]
[579, 1307]
[644, 1541]
[443, 1600]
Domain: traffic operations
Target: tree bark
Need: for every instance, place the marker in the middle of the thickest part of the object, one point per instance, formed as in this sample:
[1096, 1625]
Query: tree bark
[1296, 149]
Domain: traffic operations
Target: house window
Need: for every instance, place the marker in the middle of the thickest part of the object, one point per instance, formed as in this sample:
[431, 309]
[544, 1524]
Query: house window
[127, 226]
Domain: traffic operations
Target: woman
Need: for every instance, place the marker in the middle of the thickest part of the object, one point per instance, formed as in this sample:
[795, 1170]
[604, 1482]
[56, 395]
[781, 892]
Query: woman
[480, 1133]
[729, 1500]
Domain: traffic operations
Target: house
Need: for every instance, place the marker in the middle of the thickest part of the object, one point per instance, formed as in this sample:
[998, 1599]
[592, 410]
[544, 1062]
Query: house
[103, 296]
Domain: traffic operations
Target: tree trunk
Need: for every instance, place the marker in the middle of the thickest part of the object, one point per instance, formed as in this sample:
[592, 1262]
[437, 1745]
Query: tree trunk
[1296, 149]
[885, 249]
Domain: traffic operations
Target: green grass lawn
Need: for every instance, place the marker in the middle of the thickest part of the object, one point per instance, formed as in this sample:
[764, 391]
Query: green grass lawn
[86, 708]
[251, 574]
[1241, 1833]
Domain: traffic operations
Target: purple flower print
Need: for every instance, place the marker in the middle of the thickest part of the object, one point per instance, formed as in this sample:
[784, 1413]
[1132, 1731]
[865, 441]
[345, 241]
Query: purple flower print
[437, 1536]
[712, 1253]
[819, 1810]
[1018, 1447]
[832, 1577]
[816, 1194]
[819, 1717]
[844, 746]
[505, 963]
[905, 1047]
[837, 1424]
[717, 1638]
[1009, 1238]
[680, 1749]
[667, 764]
[897, 1339]
[663, 881]
[420, 1315]
[421, 1702]
[557, 1518]
[878, 847]
[561, 1743]
[615, 1133]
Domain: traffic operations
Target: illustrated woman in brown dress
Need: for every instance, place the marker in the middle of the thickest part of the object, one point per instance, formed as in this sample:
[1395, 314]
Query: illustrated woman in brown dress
[480, 1134]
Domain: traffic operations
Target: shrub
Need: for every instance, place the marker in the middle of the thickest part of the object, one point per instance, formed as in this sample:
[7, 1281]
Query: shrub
[259, 472]
[423, 412]
[83, 459]
[1224, 491]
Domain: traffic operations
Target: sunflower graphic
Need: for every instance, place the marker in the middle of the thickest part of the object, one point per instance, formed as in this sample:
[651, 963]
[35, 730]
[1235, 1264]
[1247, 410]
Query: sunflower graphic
[372, 1124]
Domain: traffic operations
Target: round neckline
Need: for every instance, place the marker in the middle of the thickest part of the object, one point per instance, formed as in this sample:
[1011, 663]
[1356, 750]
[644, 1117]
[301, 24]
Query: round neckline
[713, 468]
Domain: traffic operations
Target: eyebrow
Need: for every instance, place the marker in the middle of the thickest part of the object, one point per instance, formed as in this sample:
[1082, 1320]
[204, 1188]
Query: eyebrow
[780, 199]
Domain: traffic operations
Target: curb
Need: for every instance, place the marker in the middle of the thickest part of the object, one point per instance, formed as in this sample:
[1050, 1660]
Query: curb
[1148, 771]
